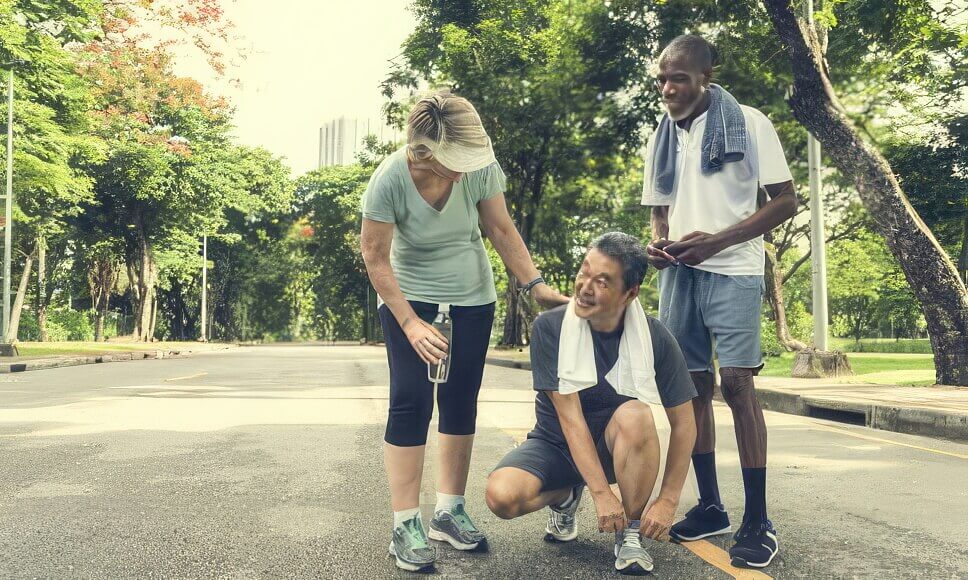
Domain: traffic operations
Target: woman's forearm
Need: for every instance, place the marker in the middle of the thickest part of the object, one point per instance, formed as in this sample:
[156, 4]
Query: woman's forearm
[514, 254]
[380, 272]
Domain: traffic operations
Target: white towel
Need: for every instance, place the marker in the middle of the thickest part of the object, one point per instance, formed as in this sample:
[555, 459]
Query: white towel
[634, 372]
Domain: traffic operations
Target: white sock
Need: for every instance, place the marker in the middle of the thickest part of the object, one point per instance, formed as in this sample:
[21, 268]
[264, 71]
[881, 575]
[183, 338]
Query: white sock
[568, 501]
[447, 502]
[405, 515]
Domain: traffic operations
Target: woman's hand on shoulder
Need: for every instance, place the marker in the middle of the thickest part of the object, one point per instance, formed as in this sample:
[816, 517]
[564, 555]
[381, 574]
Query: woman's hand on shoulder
[547, 296]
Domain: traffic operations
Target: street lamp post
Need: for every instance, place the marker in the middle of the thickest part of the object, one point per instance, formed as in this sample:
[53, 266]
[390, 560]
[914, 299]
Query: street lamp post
[8, 218]
[817, 231]
[205, 288]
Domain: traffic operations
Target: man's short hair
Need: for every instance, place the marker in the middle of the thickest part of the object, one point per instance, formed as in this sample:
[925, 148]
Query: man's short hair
[696, 48]
[629, 252]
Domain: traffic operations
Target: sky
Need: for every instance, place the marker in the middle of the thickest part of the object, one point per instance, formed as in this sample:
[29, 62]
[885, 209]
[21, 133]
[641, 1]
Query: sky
[307, 63]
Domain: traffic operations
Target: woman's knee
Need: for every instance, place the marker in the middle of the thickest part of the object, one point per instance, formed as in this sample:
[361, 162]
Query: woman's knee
[407, 425]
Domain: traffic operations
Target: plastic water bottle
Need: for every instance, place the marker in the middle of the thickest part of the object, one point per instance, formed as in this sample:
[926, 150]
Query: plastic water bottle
[438, 373]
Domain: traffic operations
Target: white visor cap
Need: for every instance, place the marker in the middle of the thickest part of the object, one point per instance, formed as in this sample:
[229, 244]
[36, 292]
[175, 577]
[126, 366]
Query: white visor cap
[464, 145]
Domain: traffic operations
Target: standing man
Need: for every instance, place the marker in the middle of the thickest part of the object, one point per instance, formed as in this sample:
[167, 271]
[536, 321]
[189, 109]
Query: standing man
[704, 167]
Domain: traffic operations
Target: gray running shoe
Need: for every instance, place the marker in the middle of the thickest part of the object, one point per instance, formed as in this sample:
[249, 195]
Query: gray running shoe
[630, 557]
[561, 520]
[410, 547]
[456, 528]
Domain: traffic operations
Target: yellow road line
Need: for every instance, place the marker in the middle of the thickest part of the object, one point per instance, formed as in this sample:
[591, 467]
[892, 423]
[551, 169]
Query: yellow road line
[195, 376]
[716, 556]
[844, 431]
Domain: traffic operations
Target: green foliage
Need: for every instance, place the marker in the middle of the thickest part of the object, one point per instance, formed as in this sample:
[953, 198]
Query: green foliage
[865, 285]
[800, 321]
[63, 324]
[330, 200]
[769, 343]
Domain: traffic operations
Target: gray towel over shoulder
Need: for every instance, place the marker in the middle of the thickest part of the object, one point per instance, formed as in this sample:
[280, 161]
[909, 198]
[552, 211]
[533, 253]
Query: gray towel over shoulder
[724, 140]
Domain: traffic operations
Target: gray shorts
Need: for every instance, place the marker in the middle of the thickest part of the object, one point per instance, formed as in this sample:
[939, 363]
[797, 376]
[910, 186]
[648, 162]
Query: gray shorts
[701, 309]
[552, 464]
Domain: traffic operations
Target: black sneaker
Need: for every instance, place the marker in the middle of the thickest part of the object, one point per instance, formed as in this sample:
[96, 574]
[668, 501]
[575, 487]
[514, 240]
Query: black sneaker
[756, 545]
[701, 522]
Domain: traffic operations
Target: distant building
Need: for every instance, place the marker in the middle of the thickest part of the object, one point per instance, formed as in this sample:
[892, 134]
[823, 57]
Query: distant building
[341, 139]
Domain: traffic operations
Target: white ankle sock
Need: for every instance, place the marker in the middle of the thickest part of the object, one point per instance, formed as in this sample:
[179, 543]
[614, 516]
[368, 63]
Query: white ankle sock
[568, 500]
[447, 502]
[404, 515]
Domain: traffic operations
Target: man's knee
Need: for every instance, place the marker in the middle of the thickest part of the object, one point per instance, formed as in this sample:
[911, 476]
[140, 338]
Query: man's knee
[704, 381]
[633, 423]
[506, 492]
[737, 386]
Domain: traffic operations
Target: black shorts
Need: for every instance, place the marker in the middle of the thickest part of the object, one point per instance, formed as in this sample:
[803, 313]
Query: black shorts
[552, 464]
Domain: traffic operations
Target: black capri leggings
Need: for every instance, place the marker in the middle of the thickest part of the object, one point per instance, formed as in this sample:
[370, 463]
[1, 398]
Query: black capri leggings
[412, 394]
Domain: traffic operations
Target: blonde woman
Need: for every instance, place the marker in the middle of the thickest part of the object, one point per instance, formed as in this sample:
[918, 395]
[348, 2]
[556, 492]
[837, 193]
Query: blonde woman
[422, 247]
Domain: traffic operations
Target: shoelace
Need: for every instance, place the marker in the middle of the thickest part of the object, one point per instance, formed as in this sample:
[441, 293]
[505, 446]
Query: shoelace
[463, 520]
[417, 536]
[561, 520]
[632, 539]
[753, 529]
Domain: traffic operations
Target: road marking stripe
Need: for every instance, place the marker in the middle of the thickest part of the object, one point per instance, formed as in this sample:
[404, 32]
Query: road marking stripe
[718, 557]
[845, 431]
[195, 376]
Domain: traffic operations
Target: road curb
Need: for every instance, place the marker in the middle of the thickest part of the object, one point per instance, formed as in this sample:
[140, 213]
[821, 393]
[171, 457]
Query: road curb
[511, 364]
[41, 364]
[911, 421]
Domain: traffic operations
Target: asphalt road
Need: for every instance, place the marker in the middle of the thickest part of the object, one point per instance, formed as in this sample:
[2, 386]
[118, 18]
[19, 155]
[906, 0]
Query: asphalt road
[265, 462]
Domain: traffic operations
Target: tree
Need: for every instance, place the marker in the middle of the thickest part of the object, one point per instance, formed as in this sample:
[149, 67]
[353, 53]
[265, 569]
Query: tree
[934, 178]
[51, 140]
[329, 199]
[929, 271]
[557, 84]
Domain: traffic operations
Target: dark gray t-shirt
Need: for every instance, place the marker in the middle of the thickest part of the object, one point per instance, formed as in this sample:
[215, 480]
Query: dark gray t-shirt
[600, 401]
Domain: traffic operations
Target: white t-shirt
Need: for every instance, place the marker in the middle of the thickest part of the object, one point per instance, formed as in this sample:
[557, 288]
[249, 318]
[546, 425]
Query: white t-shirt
[711, 203]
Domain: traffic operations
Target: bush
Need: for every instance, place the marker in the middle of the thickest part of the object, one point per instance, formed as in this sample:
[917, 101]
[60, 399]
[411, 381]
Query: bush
[800, 322]
[29, 330]
[69, 324]
[769, 343]
[63, 324]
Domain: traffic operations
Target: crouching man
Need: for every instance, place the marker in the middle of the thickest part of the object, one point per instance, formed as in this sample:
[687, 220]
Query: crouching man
[597, 364]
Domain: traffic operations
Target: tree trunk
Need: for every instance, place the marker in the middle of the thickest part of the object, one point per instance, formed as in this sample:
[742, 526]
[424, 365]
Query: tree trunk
[42, 288]
[514, 325]
[101, 280]
[932, 275]
[774, 297]
[142, 272]
[154, 316]
[963, 258]
[98, 325]
[18, 304]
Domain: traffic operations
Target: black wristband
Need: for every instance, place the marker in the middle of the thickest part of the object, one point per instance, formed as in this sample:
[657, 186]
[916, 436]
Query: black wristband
[526, 289]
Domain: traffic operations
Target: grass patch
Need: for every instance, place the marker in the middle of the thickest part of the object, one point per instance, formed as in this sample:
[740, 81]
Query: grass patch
[885, 345]
[884, 365]
[43, 349]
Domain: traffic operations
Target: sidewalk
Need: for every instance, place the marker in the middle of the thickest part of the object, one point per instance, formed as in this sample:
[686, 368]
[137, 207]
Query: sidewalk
[19, 364]
[930, 411]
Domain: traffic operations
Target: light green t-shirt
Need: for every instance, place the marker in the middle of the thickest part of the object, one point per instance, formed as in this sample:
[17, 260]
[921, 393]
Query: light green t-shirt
[437, 256]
